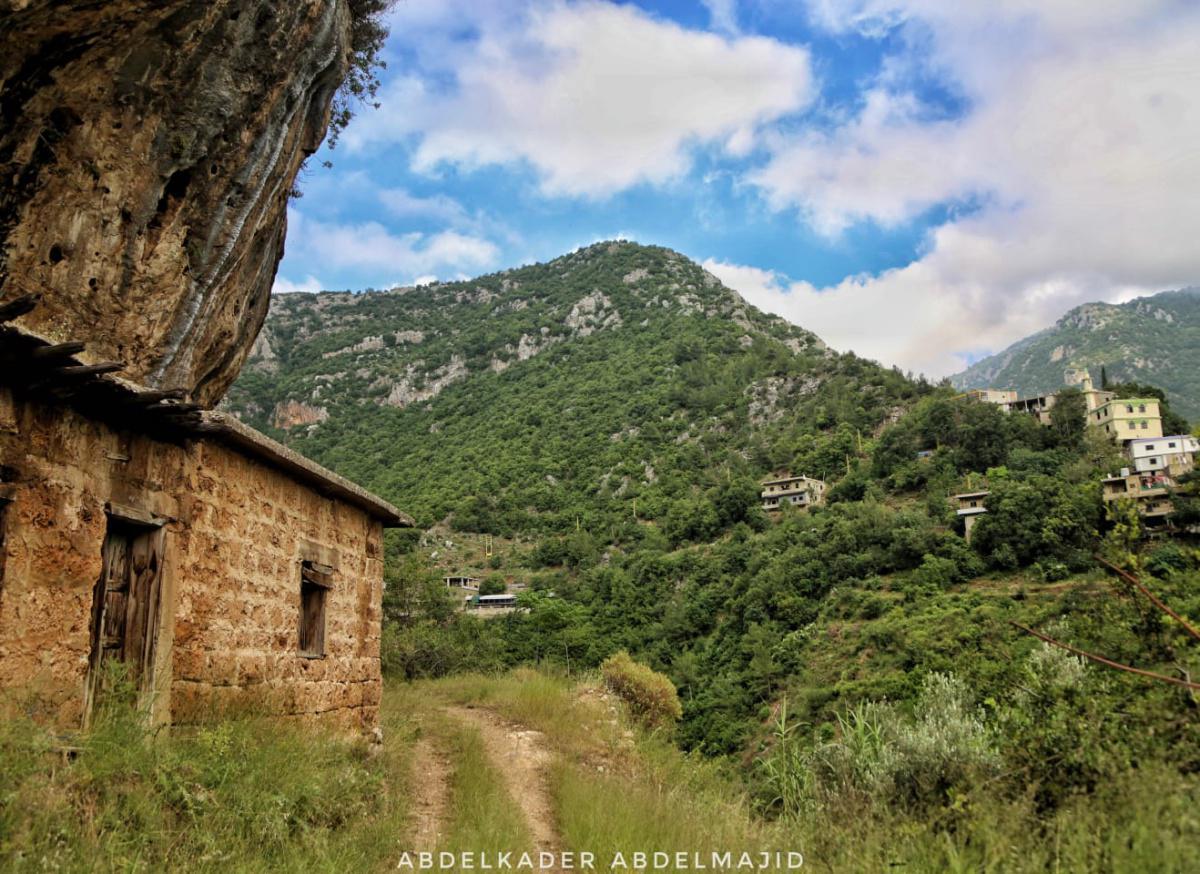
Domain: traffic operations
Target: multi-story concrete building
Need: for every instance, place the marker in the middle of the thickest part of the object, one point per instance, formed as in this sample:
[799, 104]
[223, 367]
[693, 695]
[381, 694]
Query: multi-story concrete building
[1126, 419]
[1149, 491]
[1172, 455]
[798, 491]
[999, 396]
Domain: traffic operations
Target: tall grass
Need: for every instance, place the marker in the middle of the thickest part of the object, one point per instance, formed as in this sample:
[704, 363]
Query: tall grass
[616, 787]
[238, 795]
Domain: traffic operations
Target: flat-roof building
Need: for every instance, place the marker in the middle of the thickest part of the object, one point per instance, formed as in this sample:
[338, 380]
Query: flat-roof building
[971, 505]
[795, 491]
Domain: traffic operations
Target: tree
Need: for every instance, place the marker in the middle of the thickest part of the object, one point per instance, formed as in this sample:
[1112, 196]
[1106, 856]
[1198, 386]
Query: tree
[1068, 418]
[493, 585]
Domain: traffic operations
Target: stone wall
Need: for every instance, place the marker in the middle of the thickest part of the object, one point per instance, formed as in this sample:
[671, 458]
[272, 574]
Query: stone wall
[236, 534]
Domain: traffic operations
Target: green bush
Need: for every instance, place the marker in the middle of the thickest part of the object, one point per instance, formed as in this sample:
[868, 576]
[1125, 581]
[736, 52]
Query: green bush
[880, 757]
[650, 695]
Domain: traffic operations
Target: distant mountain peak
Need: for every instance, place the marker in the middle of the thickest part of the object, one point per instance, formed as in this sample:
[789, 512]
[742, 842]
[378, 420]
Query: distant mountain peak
[1153, 339]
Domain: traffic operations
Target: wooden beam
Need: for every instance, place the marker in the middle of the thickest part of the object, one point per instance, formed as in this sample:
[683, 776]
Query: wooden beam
[153, 397]
[60, 350]
[91, 369]
[18, 306]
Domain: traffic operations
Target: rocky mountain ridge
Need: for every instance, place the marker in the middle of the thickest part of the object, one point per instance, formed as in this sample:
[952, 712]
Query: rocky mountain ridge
[550, 386]
[1153, 340]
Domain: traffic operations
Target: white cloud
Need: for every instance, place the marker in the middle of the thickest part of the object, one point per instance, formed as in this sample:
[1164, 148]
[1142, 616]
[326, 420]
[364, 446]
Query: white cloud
[597, 97]
[282, 285]
[438, 207]
[722, 14]
[371, 248]
[1077, 153]
[428, 279]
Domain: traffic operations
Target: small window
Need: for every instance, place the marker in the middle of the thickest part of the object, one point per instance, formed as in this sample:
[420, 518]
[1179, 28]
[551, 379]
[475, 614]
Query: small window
[1170, 445]
[1150, 447]
[1129, 408]
[1145, 425]
[315, 582]
[1132, 426]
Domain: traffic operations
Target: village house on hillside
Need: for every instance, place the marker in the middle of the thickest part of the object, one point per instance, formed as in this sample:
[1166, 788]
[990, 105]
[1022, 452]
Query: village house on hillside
[222, 569]
[1158, 463]
[798, 491]
[971, 505]
[1122, 419]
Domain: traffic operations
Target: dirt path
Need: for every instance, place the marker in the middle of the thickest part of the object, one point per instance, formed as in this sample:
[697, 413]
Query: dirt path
[521, 755]
[431, 774]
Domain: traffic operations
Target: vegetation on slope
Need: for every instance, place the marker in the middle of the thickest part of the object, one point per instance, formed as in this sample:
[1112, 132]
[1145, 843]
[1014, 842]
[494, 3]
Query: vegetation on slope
[855, 658]
[643, 382]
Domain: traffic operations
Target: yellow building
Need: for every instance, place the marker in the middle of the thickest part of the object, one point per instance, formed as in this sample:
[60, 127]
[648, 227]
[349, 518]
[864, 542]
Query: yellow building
[1125, 419]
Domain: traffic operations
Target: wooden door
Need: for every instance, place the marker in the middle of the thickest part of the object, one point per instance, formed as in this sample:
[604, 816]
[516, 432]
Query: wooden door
[125, 609]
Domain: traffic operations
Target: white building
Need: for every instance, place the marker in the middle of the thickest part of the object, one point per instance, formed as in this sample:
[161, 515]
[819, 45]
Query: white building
[1174, 455]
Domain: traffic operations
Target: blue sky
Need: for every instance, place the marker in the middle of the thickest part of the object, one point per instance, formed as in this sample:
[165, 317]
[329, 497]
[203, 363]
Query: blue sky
[912, 179]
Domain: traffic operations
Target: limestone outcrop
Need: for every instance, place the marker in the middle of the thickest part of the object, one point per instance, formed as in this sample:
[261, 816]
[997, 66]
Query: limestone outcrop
[147, 152]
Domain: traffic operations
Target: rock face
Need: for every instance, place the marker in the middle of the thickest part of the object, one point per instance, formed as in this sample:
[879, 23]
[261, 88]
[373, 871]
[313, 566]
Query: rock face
[147, 153]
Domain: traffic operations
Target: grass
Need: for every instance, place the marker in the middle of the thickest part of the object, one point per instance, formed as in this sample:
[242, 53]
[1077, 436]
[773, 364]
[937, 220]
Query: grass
[238, 795]
[252, 795]
[615, 787]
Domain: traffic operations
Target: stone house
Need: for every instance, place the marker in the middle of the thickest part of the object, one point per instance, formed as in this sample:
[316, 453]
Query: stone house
[224, 570]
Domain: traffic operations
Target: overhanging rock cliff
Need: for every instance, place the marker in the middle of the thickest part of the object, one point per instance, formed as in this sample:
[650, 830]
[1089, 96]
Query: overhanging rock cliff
[147, 151]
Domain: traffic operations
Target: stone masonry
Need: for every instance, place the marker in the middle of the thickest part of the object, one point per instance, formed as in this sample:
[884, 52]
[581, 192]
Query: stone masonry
[236, 531]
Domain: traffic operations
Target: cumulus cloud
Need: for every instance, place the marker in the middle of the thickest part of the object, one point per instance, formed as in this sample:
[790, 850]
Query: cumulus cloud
[1074, 161]
[282, 285]
[371, 247]
[438, 207]
[596, 97]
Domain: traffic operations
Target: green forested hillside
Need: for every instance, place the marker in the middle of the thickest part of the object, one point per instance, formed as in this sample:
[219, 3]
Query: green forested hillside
[1153, 340]
[590, 393]
[609, 416]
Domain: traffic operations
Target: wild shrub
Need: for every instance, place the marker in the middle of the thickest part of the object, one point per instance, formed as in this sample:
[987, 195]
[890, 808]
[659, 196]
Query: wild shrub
[880, 757]
[651, 696]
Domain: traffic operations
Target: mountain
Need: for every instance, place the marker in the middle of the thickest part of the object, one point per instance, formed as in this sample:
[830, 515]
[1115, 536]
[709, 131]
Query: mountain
[591, 390]
[1153, 340]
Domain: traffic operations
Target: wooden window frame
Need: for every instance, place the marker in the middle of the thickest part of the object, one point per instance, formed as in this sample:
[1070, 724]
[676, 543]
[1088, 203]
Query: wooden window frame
[316, 581]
